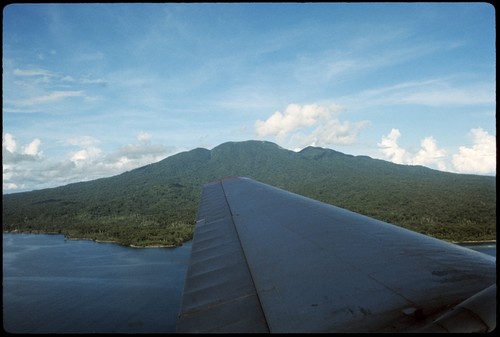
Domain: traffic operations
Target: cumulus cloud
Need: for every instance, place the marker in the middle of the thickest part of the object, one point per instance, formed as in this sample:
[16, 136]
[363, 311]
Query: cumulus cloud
[9, 143]
[25, 168]
[33, 148]
[295, 117]
[15, 158]
[127, 157]
[142, 152]
[332, 132]
[26, 152]
[391, 149]
[478, 159]
[313, 124]
[86, 156]
[429, 154]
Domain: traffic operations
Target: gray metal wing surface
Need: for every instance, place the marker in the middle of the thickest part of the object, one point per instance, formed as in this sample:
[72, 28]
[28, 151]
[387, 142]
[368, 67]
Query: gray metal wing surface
[267, 260]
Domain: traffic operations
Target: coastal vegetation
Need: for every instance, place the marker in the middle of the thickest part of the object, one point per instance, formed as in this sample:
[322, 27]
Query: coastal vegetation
[155, 205]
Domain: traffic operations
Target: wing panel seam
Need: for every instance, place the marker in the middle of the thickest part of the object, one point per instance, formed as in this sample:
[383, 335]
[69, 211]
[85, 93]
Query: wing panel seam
[245, 256]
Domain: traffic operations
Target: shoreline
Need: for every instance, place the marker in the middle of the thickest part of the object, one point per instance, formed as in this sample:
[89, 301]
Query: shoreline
[94, 240]
[121, 244]
[174, 246]
[473, 242]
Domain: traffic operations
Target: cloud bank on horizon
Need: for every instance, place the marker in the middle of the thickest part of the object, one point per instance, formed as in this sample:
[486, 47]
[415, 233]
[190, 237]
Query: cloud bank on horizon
[93, 90]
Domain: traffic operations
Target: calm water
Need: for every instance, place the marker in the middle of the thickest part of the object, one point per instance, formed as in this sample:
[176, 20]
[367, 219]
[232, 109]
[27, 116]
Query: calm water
[486, 248]
[51, 285]
[54, 285]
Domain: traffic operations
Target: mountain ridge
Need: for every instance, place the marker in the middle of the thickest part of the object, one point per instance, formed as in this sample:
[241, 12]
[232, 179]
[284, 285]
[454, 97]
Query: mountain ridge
[156, 204]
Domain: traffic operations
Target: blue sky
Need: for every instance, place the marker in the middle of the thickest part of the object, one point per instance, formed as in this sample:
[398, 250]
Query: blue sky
[93, 90]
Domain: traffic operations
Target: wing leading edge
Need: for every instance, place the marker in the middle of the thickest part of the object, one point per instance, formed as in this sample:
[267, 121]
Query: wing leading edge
[267, 260]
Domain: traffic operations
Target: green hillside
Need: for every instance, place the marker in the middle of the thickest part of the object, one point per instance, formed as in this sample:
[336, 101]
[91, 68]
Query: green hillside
[156, 204]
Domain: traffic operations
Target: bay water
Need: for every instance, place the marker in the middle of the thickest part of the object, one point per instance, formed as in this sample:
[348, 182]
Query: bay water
[54, 285]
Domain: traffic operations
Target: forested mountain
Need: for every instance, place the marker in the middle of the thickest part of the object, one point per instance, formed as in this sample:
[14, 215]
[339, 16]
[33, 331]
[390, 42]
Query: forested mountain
[156, 204]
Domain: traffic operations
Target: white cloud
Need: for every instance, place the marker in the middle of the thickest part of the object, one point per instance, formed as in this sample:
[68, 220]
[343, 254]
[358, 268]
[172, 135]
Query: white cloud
[42, 90]
[86, 156]
[10, 149]
[481, 157]
[67, 79]
[472, 94]
[390, 148]
[294, 118]
[9, 143]
[313, 124]
[127, 157]
[429, 154]
[48, 98]
[143, 151]
[478, 159]
[32, 72]
[15, 160]
[10, 186]
[332, 132]
[33, 148]
[24, 167]
[435, 92]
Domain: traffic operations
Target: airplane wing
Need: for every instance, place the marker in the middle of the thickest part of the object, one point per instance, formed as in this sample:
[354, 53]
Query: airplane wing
[267, 260]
